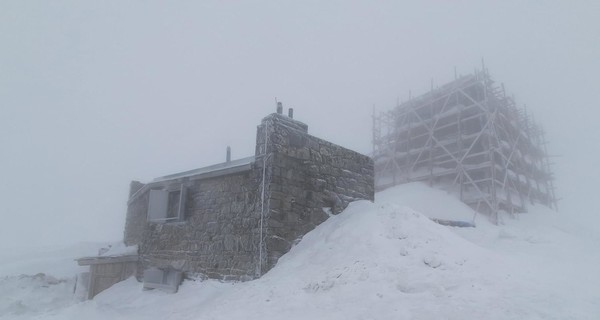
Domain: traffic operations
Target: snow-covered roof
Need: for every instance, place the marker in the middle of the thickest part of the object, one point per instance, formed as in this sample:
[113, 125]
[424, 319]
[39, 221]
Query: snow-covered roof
[216, 170]
[209, 169]
[115, 252]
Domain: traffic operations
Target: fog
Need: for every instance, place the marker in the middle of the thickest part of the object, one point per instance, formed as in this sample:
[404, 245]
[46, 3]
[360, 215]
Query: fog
[95, 94]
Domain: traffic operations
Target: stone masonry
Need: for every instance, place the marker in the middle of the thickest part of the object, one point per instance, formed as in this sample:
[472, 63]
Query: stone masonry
[306, 176]
[290, 186]
[216, 238]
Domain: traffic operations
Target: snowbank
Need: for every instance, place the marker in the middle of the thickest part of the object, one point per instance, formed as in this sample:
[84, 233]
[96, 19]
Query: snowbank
[117, 249]
[25, 296]
[388, 260]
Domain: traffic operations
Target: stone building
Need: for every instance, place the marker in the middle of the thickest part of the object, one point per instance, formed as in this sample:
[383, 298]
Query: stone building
[232, 221]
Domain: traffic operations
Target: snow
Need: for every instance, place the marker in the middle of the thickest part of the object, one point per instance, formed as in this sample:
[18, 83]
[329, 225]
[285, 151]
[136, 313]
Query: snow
[118, 249]
[24, 296]
[382, 260]
[55, 260]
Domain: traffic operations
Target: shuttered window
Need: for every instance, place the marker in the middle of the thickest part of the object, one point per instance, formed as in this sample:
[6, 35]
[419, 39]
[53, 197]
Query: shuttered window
[167, 205]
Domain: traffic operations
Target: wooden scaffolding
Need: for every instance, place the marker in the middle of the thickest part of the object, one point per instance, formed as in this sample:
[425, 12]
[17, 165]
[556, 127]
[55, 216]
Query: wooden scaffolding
[470, 138]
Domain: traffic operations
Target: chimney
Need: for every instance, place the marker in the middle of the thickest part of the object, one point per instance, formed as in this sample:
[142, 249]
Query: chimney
[291, 113]
[228, 157]
[279, 108]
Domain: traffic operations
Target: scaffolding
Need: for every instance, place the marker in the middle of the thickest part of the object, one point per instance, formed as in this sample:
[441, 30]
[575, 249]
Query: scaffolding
[470, 138]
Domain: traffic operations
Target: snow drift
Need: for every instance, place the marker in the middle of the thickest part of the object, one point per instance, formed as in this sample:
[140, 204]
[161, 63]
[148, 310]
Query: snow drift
[387, 260]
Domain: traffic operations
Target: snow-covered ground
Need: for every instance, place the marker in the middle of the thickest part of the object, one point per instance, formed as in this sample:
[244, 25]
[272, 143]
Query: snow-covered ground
[382, 260]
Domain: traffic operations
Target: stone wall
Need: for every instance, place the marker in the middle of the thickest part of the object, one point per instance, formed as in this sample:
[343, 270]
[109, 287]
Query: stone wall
[135, 219]
[306, 175]
[218, 237]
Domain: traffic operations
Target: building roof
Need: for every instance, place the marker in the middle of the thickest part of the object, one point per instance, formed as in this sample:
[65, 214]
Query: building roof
[220, 169]
[215, 170]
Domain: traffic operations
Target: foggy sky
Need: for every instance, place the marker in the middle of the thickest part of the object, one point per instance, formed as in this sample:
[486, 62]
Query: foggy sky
[95, 94]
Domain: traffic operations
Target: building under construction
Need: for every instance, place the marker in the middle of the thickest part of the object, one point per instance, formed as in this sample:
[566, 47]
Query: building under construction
[469, 138]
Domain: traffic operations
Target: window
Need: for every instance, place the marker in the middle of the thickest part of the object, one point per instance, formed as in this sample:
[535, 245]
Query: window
[166, 280]
[167, 205]
[174, 205]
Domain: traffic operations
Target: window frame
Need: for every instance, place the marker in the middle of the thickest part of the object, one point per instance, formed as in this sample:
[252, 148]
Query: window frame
[159, 205]
[164, 279]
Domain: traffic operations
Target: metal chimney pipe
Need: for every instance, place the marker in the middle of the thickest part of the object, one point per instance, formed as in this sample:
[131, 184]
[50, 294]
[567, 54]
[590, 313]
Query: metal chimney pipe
[228, 157]
[279, 107]
[291, 113]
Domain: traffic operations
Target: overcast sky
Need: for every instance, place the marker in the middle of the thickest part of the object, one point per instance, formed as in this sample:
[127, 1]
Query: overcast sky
[94, 94]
